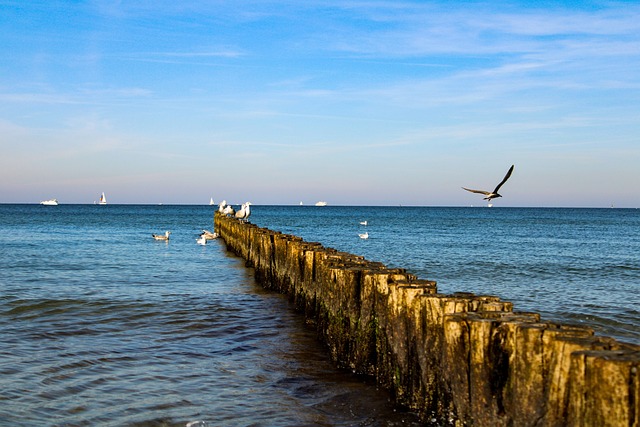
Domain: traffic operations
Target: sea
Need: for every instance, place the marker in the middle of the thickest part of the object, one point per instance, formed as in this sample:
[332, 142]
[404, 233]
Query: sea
[101, 325]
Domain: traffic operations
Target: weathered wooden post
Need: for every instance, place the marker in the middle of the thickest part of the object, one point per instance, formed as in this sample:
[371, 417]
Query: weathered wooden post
[460, 358]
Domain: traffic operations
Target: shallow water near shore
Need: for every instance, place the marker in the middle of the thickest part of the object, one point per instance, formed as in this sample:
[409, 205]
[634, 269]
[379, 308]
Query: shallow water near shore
[102, 325]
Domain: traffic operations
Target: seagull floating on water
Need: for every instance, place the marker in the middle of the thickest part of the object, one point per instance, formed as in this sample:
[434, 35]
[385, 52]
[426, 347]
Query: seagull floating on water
[209, 235]
[164, 236]
[363, 223]
[364, 235]
[493, 194]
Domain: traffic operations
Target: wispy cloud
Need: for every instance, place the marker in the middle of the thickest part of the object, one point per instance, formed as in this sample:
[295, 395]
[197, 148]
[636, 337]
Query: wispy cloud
[213, 54]
[413, 30]
[81, 96]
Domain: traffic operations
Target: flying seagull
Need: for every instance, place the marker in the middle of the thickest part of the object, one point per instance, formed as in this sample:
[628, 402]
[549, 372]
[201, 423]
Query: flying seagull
[493, 194]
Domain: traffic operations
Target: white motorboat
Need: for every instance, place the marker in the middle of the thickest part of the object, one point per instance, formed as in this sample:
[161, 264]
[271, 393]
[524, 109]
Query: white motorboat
[51, 202]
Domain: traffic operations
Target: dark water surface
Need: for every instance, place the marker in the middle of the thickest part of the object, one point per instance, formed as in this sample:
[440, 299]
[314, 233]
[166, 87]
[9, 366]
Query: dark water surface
[102, 325]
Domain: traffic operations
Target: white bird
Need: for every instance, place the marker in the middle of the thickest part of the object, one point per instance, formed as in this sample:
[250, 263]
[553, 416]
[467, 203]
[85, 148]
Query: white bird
[244, 213]
[493, 194]
[202, 240]
[222, 205]
[209, 235]
[228, 210]
[364, 236]
[164, 236]
[363, 223]
[241, 213]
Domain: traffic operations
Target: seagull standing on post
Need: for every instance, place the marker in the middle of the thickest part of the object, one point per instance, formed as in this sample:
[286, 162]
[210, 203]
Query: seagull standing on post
[240, 214]
[492, 194]
[228, 210]
[244, 213]
[247, 211]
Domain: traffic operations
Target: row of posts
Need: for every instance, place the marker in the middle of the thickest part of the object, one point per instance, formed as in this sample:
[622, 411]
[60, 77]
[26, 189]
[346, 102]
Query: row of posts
[459, 359]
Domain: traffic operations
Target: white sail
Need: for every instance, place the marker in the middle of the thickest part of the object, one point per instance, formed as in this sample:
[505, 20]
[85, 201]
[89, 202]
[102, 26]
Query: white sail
[103, 199]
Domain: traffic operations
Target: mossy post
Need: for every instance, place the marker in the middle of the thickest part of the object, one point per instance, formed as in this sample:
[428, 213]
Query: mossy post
[459, 359]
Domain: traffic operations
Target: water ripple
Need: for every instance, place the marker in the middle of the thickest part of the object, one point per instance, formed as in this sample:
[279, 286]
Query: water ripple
[102, 326]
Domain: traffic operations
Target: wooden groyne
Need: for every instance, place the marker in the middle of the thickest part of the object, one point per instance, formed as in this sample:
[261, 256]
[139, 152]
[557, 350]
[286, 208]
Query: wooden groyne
[459, 359]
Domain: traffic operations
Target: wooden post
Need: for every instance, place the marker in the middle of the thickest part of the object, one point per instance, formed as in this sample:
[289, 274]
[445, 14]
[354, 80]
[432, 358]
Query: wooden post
[464, 359]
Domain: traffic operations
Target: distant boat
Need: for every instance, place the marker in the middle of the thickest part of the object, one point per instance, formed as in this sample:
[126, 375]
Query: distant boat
[103, 199]
[51, 202]
[211, 203]
[321, 204]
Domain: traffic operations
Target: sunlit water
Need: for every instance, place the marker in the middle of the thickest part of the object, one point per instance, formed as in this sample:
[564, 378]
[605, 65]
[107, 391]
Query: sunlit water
[102, 325]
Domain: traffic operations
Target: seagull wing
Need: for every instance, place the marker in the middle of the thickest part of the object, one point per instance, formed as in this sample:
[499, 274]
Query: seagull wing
[506, 177]
[486, 193]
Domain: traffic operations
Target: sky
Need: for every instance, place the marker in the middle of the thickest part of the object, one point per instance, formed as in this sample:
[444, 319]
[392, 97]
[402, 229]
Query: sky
[346, 101]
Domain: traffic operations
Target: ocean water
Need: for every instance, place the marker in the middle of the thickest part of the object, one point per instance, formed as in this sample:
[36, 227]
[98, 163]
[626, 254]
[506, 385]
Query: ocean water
[102, 325]
[571, 265]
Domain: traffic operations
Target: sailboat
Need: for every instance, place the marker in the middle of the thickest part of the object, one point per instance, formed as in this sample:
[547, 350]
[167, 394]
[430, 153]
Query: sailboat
[211, 203]
[103, 199]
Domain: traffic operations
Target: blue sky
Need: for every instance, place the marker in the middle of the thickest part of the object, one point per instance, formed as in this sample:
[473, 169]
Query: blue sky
[352, 102]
